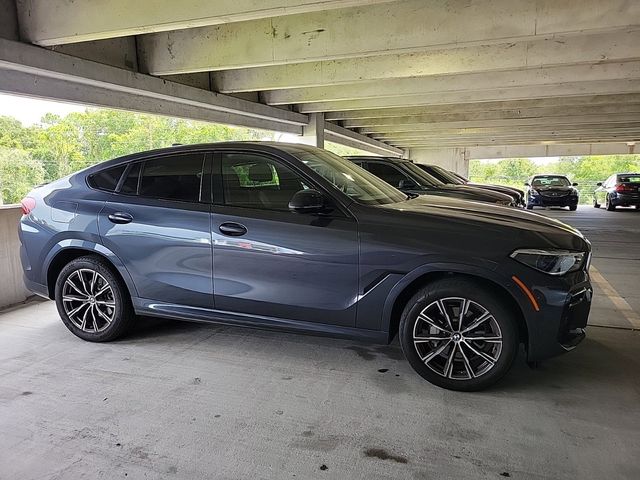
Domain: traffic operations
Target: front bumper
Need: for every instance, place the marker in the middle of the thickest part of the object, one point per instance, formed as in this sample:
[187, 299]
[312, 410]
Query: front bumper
[559, 325]
[542, 201]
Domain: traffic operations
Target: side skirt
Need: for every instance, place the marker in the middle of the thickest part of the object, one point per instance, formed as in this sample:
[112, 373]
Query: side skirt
[152, 308]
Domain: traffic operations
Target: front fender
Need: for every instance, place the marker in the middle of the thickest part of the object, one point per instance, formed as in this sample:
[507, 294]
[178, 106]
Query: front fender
[480, 272]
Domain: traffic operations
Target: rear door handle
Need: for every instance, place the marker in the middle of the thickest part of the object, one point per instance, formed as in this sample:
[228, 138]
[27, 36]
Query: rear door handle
[232, 229]
[120, 217]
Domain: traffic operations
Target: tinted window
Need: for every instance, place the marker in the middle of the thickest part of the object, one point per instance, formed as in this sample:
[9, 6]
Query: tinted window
[107, 179]
[256, 181]
[388, 173]
[551, 181]
[629, 178]
[176, 177]
[130, 184]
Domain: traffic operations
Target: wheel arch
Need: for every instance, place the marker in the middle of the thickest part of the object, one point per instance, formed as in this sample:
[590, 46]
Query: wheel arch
[405, 289]
[69, 250]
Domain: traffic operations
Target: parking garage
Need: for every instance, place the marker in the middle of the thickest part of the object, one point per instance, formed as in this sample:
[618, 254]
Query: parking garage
[436, 82]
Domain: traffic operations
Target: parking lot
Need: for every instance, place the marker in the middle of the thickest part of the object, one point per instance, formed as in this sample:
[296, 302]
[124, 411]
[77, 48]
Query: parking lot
[183, 400]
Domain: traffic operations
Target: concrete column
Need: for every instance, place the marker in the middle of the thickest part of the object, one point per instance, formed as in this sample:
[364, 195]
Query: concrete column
[454, 159]
[313, 133]
[12, 289]
[8, 20]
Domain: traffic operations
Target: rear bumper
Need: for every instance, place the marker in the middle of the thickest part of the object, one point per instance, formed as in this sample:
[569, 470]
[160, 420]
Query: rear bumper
[624, 200]
[37, 288]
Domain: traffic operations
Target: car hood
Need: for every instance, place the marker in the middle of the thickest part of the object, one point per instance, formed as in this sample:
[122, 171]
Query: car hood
[536, 230]
[498, 188]
[476, 193]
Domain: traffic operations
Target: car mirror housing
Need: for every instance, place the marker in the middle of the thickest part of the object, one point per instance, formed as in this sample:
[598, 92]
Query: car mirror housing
[526, 184]
[307, 201]
[574, 184]
[599, 184]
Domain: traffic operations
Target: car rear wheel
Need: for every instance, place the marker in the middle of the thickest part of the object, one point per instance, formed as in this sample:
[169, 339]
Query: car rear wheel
[595, 202]
[608, 205]
[92, 301]
[573, 208]
[458, 335]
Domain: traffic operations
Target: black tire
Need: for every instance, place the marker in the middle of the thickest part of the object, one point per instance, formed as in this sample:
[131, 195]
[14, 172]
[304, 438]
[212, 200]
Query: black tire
[112, 303]
[595, 202]
[529, 207]
[478, 297]
[608, 205]
[573, 208]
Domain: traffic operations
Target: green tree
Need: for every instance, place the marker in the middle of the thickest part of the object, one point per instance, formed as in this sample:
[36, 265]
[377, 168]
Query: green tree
[19, 173]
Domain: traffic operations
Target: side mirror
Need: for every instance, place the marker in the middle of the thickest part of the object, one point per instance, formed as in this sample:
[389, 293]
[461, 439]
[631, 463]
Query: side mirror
[307, 201]
[407, 184]
[574, 184]
[526, 184]
[599, 184]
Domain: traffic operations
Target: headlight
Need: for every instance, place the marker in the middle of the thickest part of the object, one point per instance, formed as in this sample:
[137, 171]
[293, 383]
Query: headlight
[533, 192]
[553, 262]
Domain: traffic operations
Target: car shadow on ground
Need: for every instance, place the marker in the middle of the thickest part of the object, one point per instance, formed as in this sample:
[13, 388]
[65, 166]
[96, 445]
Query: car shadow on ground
[592, 364]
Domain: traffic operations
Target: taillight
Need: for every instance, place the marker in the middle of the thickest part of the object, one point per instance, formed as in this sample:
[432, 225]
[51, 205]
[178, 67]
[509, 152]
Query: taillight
[621, 187]
[27, 204]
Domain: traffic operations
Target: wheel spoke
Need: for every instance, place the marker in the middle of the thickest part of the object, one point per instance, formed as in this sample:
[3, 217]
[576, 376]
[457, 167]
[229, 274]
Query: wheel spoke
[72, 285]
[476, 323]
[82, 281]
[84, 318]
[429, 339]
[463, 312]
[94, 277]
[443, 311]
[108, 303]
[101, 313]
[73, 298]
[76, 310]
[435, 353]
[480, 353]
[467, 364]
[103, 290]
[430, 321]
[484, 339]
[448, 367]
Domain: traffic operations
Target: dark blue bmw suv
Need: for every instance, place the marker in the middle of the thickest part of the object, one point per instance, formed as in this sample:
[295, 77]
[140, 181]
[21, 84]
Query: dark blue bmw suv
[292, 237]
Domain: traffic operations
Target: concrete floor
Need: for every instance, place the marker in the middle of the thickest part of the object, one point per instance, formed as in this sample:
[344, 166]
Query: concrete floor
[180, 400]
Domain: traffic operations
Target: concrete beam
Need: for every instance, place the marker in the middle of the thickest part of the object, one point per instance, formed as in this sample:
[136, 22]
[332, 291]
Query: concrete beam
[29, 70]
[631, 132]
[521, 140]
[408, 26]
[549, 51]
[516, 116]
[313, 132]
[604, 87]
[337, 134]
[524, 124]
[560, 150]
[509, 107]
[54, 22]
[542, 77]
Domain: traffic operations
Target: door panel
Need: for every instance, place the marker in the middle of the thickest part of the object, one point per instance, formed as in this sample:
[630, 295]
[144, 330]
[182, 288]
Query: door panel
[272, 262]
[286, 265]
[165, 244]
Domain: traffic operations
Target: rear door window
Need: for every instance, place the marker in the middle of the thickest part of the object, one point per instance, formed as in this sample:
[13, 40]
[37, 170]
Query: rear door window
[629, 179]
[174, 177]
[388, 173]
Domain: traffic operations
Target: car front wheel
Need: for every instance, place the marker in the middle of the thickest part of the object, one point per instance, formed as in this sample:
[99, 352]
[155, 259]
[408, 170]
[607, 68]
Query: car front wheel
[458, 335]
[92, 301]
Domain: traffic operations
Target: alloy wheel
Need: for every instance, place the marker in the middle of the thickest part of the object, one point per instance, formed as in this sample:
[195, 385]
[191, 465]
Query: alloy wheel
[457, 338]
[88, 300]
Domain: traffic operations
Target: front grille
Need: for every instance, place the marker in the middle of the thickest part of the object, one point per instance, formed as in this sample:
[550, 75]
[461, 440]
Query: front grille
[554, 194]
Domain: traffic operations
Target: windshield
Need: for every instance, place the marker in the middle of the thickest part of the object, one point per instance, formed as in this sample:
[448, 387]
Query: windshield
[550, 181]
[441, 174]
[629, 178]
[422, 177]
[349, 178]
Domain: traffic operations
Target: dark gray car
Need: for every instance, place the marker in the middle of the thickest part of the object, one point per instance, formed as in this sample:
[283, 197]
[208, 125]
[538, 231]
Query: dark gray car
[408, 177]
[295, 238]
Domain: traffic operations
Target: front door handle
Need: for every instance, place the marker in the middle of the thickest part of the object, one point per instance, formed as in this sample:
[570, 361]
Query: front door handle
[232, 229]
[120, 217]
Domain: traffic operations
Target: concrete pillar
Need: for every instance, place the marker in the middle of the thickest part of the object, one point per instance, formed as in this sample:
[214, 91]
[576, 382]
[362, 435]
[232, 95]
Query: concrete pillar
[8, 20]
[454, 159]
[313, 133]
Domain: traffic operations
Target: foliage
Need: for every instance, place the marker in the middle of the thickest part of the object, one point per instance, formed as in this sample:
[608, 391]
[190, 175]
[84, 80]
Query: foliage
[19, 172]
[586, 171]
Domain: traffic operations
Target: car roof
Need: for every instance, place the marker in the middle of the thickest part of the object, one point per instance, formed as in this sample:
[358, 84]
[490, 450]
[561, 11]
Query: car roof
[375, 157]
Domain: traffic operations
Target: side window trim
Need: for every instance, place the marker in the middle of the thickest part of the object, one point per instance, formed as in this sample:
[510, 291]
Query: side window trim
[125, 175]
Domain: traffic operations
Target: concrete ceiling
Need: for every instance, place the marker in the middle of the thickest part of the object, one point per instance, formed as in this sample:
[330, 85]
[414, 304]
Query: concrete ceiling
[408, 74]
